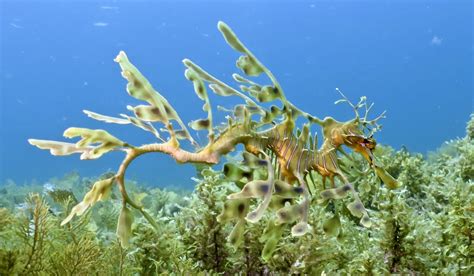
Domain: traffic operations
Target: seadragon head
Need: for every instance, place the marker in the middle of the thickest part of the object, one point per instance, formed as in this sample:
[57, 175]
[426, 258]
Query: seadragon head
[351, 134]
[358, 135]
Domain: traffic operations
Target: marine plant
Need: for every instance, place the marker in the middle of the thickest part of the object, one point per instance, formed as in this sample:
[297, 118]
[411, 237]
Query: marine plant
[279, 156]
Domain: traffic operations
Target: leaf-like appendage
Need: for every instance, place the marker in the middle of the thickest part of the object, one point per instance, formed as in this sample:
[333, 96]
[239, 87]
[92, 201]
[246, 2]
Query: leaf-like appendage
[143, 125]
[365, 221]
[289, 213]
[236, 237]
[253, 161]
[336, 193]
[234, 172]
[230, 37]
[253, 189]
[59, 148]
[128, 120]
[199, 71]
[198, 76]
[386, 178]
[279, 202]
[235, 208]
[249, 66]
[271, 236]
[270, 115]
[241, 79]
[140, 88]
[200, 124]
[239, 112]
[106, 141]
[286, 190]
[257, 188]
[217, 86]
[201, 92]
[265, 94]
[246, 62]
[304, 135]
[356, 208]
[104, 118]
[124, 226]
[199, 87]
[100, 190]
[149, 113]
[332, 226]
[221, 90]
[300, 229]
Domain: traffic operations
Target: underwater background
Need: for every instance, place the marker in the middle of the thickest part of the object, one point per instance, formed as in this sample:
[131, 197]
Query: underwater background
[414, 59]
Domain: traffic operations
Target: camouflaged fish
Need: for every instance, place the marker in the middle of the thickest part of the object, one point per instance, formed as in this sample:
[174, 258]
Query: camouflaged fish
[268, 132]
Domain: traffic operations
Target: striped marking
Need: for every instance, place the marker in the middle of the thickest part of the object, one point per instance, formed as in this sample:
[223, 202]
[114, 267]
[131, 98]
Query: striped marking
[323, 157]
[277, 140]
[262, 142]
[299, 160]
[306, 160]
[331, 156]
[317, 158]
[283, 140]
[297, 144]
[315, 141]
[287, 147]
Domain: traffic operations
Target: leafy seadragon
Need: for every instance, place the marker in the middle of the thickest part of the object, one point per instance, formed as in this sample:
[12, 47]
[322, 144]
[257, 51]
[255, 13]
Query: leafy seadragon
[267, 133]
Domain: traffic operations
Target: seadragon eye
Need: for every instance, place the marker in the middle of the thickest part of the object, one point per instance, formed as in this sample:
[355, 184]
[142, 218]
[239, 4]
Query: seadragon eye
[370, 143]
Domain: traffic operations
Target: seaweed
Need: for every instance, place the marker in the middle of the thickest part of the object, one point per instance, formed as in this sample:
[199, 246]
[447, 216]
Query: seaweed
[32, 230]
[203, 236]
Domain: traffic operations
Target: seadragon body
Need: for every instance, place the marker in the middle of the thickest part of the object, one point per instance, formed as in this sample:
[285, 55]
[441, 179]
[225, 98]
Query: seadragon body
[271, 137]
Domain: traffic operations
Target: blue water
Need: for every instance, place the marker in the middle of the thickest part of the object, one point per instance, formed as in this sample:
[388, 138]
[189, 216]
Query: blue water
[412, 58]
